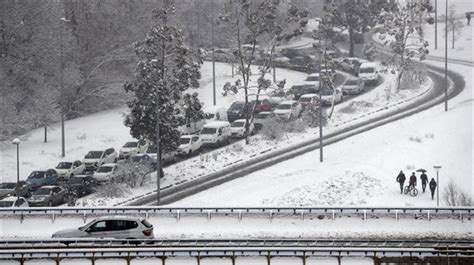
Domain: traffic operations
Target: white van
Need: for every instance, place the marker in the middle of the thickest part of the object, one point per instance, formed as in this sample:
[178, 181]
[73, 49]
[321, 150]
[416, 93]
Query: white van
[368, 73]
[215, 133]
[215, 113]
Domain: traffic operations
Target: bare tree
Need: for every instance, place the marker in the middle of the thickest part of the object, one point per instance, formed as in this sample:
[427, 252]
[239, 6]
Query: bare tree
[454, 25]
[454, 196]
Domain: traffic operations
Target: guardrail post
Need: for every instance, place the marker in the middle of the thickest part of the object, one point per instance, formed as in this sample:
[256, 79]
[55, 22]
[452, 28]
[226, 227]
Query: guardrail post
[333, 215]
[177, 216]
[22, 218]
[365, 215]
[461, 216]
[302, 215]
[53, 217]
[396, 215]
[146, 216]
[240, 215]
[84, 217]
[429, 215]
[271, 215]
[208, 215]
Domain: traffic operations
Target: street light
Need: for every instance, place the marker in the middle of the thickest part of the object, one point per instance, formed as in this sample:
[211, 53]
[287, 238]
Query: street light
[17, 142]
[437, 168]
[61, 81]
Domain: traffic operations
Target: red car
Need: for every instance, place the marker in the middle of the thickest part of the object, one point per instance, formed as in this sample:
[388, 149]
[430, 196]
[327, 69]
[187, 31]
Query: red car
[262, 105]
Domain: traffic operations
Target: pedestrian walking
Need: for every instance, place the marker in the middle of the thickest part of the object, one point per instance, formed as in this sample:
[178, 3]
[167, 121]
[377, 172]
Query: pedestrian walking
[433, 185]
[412, 181]
[468, 16]
[401, 179]
[424, 180]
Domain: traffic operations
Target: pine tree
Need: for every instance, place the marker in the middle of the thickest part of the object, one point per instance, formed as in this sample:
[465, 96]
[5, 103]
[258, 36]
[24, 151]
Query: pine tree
[166, 68]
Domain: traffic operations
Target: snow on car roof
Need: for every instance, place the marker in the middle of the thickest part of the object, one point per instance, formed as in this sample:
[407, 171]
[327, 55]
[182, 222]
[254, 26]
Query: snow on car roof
[119, 217]
[109, 164]
[216, 124]
[314, 74]
[288, 102]
[308, 95]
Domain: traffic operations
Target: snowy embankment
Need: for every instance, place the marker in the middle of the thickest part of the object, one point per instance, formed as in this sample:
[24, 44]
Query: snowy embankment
[361, 170]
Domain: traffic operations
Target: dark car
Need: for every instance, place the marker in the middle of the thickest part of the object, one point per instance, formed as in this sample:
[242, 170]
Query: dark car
[40, 178]
[300, 90]
[238, 110]
[48, 196]
[262, 105]
[11, 189]
[81, 185]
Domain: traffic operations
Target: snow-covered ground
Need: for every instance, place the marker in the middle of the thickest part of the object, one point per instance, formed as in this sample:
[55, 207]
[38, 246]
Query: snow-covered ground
[361, 170]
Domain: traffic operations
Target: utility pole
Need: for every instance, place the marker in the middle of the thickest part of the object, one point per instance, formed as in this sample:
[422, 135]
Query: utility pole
[61, 83]
[213, 59]
[436, 24]
[446, 60]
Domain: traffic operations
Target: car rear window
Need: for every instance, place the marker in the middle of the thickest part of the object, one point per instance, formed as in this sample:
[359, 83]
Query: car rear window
[147, 224]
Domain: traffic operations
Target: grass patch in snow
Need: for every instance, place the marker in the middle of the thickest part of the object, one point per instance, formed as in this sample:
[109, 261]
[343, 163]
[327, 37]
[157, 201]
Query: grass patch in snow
[355, 106]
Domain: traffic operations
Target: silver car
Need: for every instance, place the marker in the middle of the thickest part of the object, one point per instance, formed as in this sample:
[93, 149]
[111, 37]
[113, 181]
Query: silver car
[118, 227]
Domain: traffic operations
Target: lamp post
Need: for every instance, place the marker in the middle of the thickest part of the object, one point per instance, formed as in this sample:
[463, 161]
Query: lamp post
[446, 60]
[61, 82]
[436, 24]
[437, 168]
[17, 142]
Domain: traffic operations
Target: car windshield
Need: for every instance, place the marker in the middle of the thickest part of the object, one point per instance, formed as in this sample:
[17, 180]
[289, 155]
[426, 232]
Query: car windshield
[6, 204]
[208, 131]
[366, 70]
[36, 175]
[94, 154]
[262, 115]
[327, 92]
[151, 149]
[130, 144]
[184, 140]
[42, 191]
[7, 186]
[351, 82]
[104, 169]
[64, 165]
[238, 124]
[284, 106]
[312, 78]
[236, 106]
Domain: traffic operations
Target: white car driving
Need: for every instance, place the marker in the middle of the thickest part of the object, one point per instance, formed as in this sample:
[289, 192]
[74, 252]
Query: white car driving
[66, 170]
[288, 110]
[105, 172]
[189, 144]
[237, 128]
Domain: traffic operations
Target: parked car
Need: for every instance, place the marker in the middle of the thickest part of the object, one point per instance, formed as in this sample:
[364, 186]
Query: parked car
[13, 201]
[23, 189]
[132, 148]
[150, 156]
[40, 178]
[191, 127]
[215, 113]
[237, 128]
[66, 170]
[95, 159]
[118, 227]
[368, 73]
[353, 86]
[215, 133]
[48, 196]
[356, 65]
[81, 185]
[105, 172]
[189, 144]
[309, 101]
[262, 118]
[288, 110]
[312, 79]
[299, 90]
[238, 110]
[263, 104]
[327, 96]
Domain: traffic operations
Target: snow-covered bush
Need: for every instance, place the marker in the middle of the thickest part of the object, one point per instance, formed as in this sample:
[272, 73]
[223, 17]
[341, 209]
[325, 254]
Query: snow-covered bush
[111, 190]
[132, 174]
[454, 196]
[273, 130]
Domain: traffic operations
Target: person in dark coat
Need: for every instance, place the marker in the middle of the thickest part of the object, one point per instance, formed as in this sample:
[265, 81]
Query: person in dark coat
[424, 180]
[412, 182]
[433, 185]
[401, 179]
[468, 16]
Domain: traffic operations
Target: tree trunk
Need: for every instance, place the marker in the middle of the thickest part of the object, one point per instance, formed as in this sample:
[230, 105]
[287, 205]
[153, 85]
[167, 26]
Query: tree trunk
[399, 80]
[45, 134]
[351, 42]
[454, 31]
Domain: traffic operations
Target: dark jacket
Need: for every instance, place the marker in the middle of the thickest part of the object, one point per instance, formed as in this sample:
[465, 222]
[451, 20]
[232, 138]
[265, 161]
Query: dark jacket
[433, 184]
[401, 177]
[424, 178]
[413, 179]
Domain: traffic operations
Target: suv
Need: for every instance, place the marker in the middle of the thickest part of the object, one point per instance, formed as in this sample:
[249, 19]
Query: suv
[238, 110]
[309, 102]
[189, 144]
[288, 110]
[118, 227]
[299, 90]
[237, 128]
[95, 159]
[150, 155]
[132, 148]
[105, 172]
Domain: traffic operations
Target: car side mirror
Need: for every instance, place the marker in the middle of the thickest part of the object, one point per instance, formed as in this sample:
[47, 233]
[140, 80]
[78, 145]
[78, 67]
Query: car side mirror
[90, 229]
